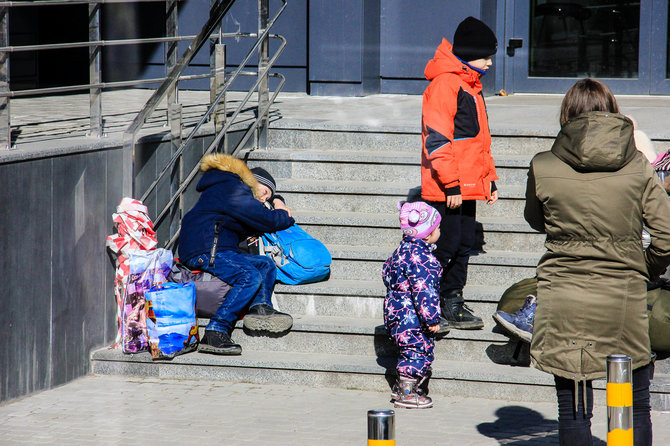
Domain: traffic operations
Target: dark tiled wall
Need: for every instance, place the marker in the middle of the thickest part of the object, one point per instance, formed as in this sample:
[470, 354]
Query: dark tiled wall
[57, 279]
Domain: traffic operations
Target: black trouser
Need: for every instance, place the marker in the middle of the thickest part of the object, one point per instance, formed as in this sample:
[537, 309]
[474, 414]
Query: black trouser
[574, 429]
[457, 237]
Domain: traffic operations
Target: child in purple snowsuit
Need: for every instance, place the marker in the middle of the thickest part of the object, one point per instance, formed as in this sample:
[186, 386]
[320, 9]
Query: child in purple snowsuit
[412, 304]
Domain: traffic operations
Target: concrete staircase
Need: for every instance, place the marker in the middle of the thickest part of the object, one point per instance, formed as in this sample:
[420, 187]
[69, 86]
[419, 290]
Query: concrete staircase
[343, 187]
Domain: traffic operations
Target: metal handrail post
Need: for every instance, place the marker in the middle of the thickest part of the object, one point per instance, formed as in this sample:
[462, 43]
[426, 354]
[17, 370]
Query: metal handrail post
[263, 57]
[95, 99]
[172, 48]
[177, 176]
[5, 129]
[217, 81]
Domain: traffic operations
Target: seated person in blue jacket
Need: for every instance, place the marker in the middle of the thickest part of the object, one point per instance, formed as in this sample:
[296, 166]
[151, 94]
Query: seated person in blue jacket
[230, 206]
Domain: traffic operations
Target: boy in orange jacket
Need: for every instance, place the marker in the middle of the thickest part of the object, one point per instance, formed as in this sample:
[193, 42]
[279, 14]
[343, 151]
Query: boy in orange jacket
[456, 163]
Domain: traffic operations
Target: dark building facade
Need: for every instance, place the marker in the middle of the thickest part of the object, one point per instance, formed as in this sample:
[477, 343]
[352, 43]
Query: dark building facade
[358, 47]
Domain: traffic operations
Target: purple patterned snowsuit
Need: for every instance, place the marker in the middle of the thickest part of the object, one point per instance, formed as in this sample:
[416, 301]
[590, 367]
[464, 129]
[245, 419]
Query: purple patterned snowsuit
[412, 277]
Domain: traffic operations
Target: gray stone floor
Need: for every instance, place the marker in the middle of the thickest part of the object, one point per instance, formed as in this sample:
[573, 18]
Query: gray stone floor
[58, 122]
[107, 410]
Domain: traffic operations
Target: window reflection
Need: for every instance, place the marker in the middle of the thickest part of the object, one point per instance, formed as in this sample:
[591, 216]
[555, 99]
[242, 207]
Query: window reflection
[595, 38]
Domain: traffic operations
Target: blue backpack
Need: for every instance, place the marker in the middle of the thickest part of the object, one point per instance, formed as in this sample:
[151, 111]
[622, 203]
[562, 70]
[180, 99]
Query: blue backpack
[300, 258]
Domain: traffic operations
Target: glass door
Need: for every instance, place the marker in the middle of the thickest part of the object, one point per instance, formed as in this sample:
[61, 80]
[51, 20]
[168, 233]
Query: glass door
[660, 48]
[551, 43]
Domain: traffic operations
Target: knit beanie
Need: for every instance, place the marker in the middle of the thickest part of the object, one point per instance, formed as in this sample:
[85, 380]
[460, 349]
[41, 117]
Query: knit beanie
[474, 40]
[264, 177]
[418, 219]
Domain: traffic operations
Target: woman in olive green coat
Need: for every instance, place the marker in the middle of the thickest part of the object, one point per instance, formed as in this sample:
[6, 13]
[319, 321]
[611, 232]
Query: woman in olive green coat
[591, 195]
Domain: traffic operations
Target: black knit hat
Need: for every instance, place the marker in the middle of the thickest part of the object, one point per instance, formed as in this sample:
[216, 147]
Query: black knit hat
[474, 40]
[264, 177]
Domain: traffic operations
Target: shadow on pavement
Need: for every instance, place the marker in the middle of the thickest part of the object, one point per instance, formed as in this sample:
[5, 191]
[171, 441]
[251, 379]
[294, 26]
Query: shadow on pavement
[517, 425]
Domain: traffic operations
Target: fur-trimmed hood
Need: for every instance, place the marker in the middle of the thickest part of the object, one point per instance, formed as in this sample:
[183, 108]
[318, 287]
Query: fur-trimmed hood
[228, 163]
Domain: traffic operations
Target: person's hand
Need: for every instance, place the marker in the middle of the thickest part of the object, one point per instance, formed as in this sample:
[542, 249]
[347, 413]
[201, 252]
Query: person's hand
[454, 201]
[278, 204]
[434, 328]
[494, 197]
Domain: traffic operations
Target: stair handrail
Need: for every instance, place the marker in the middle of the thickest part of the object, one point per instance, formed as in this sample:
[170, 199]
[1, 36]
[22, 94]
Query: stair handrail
[216, 13]
[231, 120]
[213, 145]
[263, 110]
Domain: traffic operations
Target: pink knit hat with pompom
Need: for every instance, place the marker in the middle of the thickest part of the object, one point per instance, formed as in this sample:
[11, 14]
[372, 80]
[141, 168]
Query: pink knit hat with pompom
[418, 219]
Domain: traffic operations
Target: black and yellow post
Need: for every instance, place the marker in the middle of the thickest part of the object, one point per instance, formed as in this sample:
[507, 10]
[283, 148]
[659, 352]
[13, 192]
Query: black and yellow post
[619, 401]
[381, 428]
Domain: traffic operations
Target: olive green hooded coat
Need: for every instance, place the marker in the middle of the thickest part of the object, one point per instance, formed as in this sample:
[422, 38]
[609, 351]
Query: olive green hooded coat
[591, 194]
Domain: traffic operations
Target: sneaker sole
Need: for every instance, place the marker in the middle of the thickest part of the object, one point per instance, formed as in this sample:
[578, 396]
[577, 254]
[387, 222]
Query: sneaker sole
[513, 329]
[412, 406]
[444, 329]
[225, 351]
[272, 324]
[472, 325]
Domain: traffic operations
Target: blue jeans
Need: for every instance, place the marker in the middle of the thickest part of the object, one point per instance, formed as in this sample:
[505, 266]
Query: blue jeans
[251, 277]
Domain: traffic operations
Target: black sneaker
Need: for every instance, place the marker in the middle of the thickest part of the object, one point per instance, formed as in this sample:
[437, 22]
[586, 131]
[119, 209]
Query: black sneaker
[459, 315]
[264, 318]
[218, 343]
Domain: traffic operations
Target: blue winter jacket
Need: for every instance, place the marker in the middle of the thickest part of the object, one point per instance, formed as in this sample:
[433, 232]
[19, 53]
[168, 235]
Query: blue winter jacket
[226, 197]
[412, 276]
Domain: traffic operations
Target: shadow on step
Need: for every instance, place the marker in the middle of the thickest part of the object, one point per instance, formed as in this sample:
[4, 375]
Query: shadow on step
[515, 352]
[517, 425]
[386, 353]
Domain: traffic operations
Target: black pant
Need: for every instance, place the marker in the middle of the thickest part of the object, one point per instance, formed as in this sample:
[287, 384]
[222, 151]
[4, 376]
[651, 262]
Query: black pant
[574, 429]
[457, 237]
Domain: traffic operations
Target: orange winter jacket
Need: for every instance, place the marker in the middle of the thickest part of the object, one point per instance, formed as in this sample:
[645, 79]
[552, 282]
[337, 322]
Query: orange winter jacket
[456, 153]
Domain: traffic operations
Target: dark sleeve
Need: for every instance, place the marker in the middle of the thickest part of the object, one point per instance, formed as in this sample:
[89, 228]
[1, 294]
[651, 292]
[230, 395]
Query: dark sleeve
[656, 216]
[533, 211]
[252, 213]
[451, 191]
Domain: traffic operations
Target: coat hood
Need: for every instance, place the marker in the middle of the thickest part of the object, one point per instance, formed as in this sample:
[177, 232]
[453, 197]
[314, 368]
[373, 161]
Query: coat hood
[596, 142]
[225, 163]
[445, 61]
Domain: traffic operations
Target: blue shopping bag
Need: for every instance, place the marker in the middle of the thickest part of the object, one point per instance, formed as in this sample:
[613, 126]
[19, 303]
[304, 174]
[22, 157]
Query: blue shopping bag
[171, 322]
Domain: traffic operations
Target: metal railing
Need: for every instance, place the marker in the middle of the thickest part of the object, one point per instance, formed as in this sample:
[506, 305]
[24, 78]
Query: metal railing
[220, 83]
[95, 86]
[222, 124]
[94, 45]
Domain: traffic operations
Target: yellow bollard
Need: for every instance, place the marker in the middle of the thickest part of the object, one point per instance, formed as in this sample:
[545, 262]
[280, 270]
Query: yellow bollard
[381, 428]
[619, 401]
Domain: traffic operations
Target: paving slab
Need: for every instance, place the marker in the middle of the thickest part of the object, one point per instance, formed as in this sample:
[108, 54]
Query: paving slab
[109, 410]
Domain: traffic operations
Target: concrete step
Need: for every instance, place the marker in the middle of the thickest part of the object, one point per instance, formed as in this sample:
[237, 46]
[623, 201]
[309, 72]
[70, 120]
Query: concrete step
[359, 228]
[455, 378]
[382, 197]
[308, 138]
[354, 335]
[344, 298]
[372, 165]
[490, 268]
